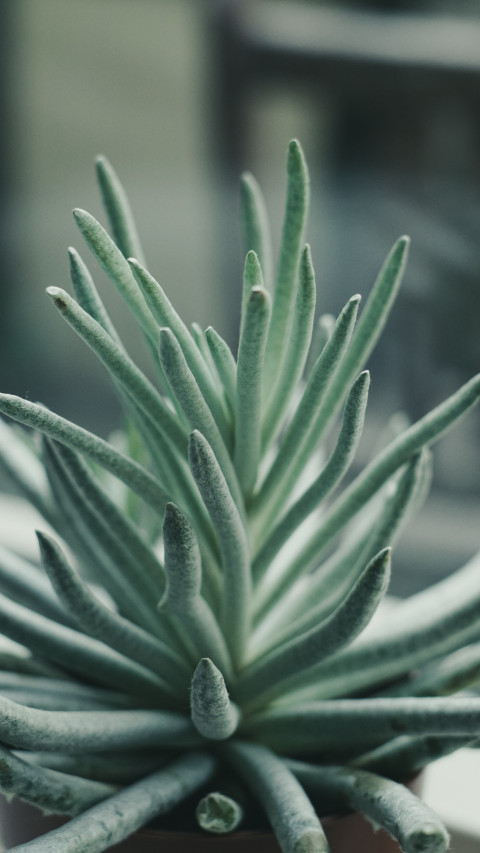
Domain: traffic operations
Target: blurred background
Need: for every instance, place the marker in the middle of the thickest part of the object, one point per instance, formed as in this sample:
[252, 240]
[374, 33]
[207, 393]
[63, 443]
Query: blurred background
[182, 95]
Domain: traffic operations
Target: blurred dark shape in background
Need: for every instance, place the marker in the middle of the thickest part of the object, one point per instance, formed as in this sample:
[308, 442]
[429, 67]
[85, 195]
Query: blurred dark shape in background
[388, 97]
[394, 101]
[182, 97]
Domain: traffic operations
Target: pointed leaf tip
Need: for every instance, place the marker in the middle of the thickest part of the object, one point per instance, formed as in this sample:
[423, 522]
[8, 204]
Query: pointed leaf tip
[294, 146]
[197, 439]
[41, 537]
[206, 666]
[402, 247]
[296, 158]
[363, 378]
[213, 714]
[54, 291]
[385, 556]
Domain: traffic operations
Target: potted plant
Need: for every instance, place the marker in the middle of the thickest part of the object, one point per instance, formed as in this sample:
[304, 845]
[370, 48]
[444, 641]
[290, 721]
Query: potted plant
[192, 631]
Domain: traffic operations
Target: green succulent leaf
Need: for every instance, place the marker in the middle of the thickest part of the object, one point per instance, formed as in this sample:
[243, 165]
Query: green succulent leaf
[405, 756]
[213, 714]
[300, 436]
[191, 401]
[50, 690]
[252, 280]
[256, 225]
[113, 262]
[166, 316]
[451, 623]
[363, 721]
[105, 625]
[93, 731]
[291, 813]
[291, 661]
[325, 587]
[296, 210]
[49, 423]
[119, 768]
[52, 792]
[235, 613]
[183, 593]
[337, 465]
[87, 294]
[21, 581]
[297, 347]
[122, 368]
[98, 541]
[424, 432]
[412, 824]
[248, 399]
[118, 817]
[225, 365]
[117, 207]
[21, 466]
[79, 653]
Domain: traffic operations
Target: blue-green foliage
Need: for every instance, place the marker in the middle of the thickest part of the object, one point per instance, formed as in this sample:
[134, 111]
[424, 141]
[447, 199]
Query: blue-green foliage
[225, 630]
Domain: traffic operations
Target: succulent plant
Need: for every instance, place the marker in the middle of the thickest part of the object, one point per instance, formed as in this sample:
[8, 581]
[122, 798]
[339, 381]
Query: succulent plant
[197, 622]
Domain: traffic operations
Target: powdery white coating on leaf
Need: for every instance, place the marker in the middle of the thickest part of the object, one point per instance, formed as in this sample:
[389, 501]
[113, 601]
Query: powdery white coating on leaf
[213, 714]
[284, 800]
[110, 822]
[385, 803]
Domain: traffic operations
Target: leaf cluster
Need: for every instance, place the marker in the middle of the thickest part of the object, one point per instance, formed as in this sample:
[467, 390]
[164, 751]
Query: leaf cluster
[207, 577]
